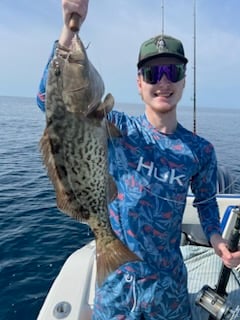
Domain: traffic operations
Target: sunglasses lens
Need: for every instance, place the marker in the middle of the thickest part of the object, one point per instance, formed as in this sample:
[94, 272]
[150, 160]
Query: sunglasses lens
[174, 73]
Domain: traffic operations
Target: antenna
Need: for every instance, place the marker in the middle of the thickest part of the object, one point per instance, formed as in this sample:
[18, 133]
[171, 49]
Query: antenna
[162, 17]
[194, 69]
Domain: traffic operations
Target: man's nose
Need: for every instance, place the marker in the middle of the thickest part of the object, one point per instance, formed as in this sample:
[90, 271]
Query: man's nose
[164, 79]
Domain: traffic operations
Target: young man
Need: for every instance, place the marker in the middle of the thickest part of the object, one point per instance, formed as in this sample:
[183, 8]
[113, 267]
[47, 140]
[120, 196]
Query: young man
[153, 163]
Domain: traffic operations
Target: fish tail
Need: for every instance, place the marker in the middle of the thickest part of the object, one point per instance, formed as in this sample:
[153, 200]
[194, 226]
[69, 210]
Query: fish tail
[110, 257]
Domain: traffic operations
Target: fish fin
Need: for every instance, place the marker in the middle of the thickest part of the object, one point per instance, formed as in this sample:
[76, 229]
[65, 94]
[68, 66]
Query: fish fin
[113, 131]
[101, 111]
[110, 257]
[107, 104]
[65, 199]
[103, 108]
[112, 189]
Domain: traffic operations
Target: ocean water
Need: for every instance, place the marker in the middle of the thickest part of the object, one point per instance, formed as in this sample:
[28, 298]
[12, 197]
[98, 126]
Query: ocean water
[35, 238]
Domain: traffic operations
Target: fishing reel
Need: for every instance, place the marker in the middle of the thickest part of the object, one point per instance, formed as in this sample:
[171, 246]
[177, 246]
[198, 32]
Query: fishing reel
[216, 305]
[215, 301]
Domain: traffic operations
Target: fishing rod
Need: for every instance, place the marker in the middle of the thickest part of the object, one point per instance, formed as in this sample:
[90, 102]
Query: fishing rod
[194, 61]
[162, 7]
[194, 69]
[214, 301]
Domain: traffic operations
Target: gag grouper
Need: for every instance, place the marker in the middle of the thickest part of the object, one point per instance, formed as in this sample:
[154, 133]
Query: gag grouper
[74, 148]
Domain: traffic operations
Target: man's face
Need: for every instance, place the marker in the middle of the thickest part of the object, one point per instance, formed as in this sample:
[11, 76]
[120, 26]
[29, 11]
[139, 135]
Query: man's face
[163, 95]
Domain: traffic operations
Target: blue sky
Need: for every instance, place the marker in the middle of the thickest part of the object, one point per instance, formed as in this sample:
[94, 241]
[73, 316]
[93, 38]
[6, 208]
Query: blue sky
[115, 30]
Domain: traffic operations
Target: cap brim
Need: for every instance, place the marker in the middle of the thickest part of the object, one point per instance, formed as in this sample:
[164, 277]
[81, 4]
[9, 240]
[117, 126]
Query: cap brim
[163, 54]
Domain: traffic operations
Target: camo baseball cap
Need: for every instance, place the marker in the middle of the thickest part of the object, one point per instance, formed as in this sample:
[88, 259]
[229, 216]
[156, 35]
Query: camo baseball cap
[161, 46]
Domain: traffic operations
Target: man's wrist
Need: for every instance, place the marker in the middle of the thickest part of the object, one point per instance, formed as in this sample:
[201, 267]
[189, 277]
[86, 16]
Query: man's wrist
[66, 37]
[215, 239]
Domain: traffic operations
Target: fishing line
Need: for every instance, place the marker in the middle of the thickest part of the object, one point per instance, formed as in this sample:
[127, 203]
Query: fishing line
[230, 185]
[147, 189]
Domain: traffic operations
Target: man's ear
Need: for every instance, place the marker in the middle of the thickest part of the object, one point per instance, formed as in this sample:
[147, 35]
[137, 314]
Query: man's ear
[139, 84]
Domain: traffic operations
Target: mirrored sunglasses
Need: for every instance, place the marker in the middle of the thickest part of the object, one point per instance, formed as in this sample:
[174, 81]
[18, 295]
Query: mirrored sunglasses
[153, 74]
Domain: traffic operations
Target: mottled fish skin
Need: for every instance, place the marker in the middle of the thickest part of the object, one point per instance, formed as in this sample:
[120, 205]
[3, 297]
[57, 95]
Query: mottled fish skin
[74, 147]
[81, 85]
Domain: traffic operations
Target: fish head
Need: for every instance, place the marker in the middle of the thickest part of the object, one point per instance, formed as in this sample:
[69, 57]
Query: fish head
[80, 84]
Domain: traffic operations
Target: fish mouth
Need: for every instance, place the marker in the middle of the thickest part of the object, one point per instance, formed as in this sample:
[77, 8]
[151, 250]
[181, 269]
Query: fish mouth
[164, 94]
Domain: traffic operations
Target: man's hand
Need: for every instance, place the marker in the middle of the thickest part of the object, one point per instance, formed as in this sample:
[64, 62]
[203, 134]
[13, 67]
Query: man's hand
[74, 6]
[69, 7]
[230, 259]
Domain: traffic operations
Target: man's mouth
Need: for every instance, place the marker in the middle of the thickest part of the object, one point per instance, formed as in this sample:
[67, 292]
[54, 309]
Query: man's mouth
[165, 94]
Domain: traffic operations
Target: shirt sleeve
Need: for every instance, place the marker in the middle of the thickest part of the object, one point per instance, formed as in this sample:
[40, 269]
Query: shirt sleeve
[42, 86]
[204, 185]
